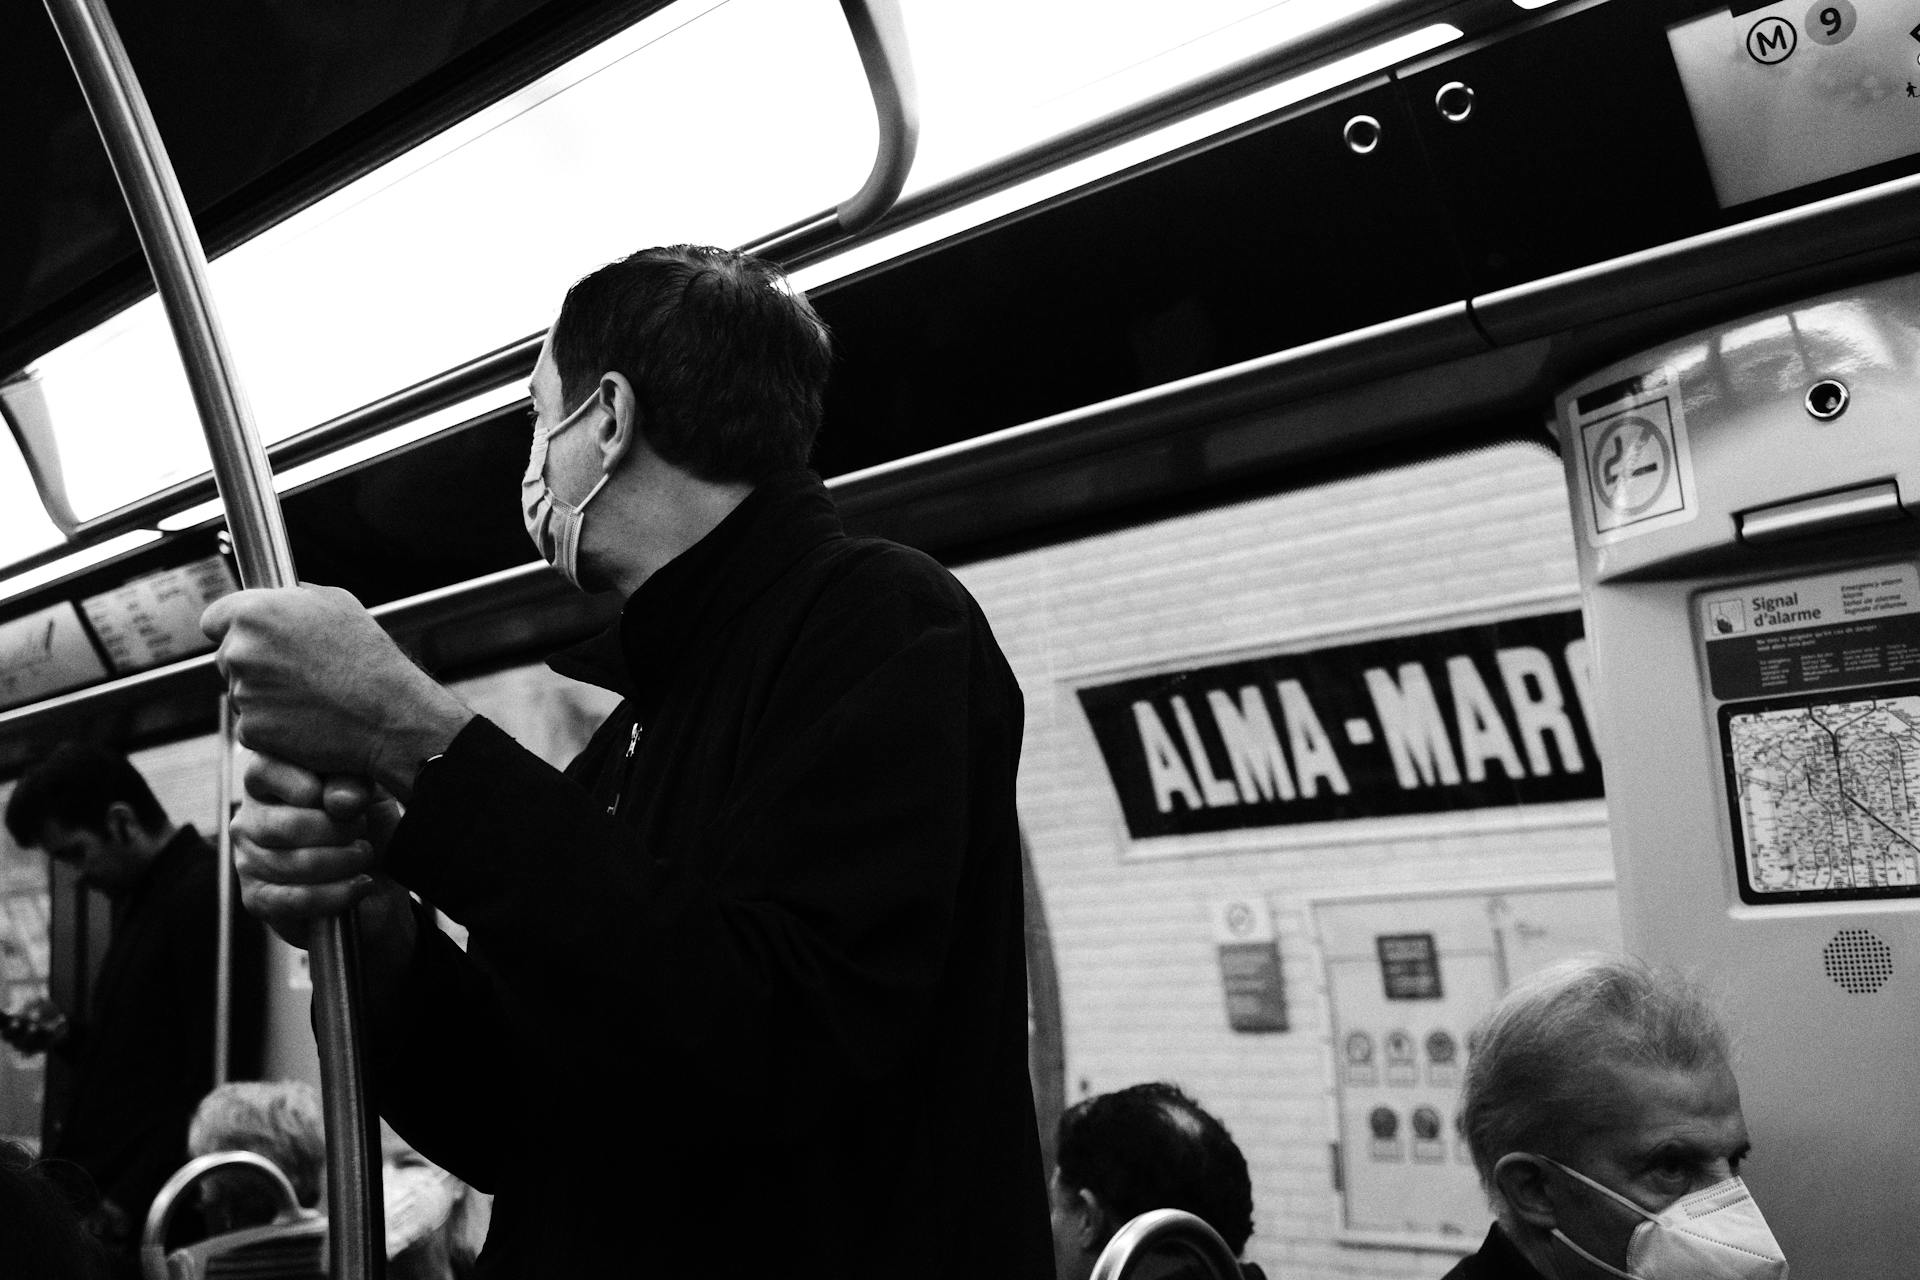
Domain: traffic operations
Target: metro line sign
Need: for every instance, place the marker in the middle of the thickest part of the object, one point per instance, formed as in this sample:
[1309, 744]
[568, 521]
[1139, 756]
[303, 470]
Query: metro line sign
[1474, 717]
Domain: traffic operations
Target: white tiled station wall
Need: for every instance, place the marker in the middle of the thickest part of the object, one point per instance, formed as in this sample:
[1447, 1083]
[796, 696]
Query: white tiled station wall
[1452, 542]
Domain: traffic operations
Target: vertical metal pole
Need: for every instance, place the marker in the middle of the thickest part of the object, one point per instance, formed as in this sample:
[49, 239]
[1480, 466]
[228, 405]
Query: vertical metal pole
[223, 936]
[356, 1241]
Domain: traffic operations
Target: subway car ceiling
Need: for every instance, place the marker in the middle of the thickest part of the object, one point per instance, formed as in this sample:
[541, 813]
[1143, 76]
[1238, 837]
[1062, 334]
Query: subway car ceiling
[1256, 308]
[264, 108]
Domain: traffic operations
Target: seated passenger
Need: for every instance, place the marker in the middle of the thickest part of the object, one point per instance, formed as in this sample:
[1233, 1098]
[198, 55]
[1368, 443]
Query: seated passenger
[278, 1119]
[41, 1235]
[422, 1201]
[282, 1120]
[1604, 1120]
[1146, 1147]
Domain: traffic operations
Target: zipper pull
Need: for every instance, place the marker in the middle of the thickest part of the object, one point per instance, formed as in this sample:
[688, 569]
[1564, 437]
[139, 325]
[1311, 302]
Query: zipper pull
[633, 744]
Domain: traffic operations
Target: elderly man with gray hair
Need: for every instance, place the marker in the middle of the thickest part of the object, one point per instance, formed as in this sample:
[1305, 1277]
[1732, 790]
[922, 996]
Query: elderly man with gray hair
[1604, 1120]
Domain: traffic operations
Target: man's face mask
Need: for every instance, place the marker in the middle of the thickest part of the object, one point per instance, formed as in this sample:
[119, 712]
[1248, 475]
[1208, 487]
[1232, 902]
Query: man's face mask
[552, 524]
[1714, 1234]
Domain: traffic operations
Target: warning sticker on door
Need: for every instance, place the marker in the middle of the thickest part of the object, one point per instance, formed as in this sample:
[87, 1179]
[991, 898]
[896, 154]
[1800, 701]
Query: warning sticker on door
[1796, 635]
[1636, 469]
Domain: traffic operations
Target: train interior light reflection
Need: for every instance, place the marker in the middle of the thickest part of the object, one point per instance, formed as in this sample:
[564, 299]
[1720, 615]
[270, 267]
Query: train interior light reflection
[1137, 150]
[378, 283]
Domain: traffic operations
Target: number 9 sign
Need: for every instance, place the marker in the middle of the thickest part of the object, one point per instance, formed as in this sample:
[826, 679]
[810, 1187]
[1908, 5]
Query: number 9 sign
[1830, 21]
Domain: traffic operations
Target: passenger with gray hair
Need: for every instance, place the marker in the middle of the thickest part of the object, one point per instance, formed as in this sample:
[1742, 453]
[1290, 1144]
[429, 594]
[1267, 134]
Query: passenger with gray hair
[1604, 1121]
[278, 1119]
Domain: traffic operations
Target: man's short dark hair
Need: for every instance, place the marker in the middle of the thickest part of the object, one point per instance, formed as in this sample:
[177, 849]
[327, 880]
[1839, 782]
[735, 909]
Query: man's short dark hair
[728, 361]
[74, 786]
[1150, 1146]
[40, 1230]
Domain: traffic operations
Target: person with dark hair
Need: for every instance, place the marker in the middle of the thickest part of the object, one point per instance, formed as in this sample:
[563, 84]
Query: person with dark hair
[41, 1235]
[1141, 1148]
[1604, 1120]
[141, 1051]
[718, 968]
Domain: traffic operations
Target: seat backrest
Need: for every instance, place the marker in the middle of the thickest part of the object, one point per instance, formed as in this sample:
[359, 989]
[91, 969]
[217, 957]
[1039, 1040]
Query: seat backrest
[1134, 1249]
[258, 1251]
[278, 1251]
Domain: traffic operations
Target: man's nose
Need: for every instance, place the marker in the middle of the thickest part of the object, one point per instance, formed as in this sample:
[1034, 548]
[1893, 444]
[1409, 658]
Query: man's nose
[1714, 1172]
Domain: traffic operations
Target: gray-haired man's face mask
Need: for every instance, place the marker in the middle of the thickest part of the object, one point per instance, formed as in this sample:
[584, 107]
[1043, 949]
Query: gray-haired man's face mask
[1716, 1233]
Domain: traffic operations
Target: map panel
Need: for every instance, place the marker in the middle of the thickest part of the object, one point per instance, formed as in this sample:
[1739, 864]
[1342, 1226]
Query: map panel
[1826, 796]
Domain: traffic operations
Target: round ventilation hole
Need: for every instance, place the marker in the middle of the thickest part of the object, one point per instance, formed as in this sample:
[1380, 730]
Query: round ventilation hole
[1858, 961]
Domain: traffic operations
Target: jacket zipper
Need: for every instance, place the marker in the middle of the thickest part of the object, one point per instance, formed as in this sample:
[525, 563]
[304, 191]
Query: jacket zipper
[633, 744]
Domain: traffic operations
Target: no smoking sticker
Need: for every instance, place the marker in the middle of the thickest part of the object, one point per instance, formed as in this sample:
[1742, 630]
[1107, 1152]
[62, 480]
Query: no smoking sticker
[1634, 459]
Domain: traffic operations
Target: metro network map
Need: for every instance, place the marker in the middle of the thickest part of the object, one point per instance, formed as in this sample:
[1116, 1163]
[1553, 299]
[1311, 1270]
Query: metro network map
[1827, 796]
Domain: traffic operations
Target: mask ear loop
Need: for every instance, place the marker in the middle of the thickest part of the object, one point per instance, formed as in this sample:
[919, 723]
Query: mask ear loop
[545, 438]
[1610, 1269]
[1601, 1187]
[1605, 1190]
[576, 511]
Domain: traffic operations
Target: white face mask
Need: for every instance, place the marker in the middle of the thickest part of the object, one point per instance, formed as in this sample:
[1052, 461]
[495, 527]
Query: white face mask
[552, 524]
[418, 1200]
[1713, 1234]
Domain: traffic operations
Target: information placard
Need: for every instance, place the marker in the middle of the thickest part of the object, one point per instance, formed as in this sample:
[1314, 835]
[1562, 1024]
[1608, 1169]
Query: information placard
[156, 618]
[1787, 94]
[45, 653]
[1818, 681]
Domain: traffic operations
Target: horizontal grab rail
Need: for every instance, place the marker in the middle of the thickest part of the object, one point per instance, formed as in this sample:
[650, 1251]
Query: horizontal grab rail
[1891, 211]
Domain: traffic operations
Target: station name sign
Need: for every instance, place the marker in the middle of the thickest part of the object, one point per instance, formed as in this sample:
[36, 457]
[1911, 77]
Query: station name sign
[1474, 717]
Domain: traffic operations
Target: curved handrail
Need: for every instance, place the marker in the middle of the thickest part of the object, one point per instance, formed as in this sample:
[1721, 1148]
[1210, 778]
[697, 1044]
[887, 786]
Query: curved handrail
[171, 243]
[153, 1236]
[1167, 1226]
[881, 39]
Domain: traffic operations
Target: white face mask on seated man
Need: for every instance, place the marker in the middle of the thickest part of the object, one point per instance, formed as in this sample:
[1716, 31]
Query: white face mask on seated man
[1717, 1233]
[1624, 1072]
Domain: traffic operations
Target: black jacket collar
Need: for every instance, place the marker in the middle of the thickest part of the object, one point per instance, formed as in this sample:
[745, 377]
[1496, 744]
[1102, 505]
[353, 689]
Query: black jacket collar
[173, 856]
[1500, 1259]
[689, 600]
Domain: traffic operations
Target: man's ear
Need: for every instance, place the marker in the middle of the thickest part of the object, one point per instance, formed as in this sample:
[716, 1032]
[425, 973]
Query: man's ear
[619, 428]
[1096, 1224]
[121, 825]
[1083, 1216]
[1523, 1183]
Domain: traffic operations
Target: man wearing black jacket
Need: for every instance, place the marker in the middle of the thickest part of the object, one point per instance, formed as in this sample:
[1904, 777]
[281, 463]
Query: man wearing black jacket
[745, 990]
[142, 1049]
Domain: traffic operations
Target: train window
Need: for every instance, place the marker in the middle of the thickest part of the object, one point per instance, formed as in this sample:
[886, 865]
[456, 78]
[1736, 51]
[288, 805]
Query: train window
[985, 91]
[24, 525]
[467, 242]
[1302, 769]
[464, 243]
[999, 133]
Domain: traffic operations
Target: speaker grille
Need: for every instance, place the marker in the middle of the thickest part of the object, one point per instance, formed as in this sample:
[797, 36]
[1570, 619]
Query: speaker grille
[1859, 962]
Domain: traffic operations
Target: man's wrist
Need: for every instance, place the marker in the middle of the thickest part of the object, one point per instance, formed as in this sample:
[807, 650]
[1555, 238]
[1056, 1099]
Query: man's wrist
[402, 752]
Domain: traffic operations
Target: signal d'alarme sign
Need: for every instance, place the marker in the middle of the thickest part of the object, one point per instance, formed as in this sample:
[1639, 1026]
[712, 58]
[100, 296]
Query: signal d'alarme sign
[1493, 715]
